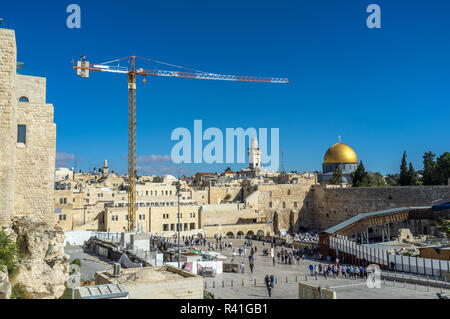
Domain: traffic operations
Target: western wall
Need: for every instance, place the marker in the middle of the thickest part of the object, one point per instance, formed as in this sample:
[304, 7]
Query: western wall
[335, 205]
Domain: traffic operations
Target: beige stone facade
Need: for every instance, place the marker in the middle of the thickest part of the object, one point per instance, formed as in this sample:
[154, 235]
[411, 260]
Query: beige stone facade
[165, 282]
[232, 220]
[27, 160]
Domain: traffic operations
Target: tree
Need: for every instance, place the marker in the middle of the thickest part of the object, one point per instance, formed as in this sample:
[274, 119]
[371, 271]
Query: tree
[404, 179]
[429, 169]
[337, 177]
[443, 168]
[412, 178]
[377, 179]
[360, 177]
[392, 179]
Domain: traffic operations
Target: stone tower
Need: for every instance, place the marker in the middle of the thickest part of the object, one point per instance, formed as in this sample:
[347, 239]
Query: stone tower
[28, 139]
[8, 106]
[105, 170]
[254, 155]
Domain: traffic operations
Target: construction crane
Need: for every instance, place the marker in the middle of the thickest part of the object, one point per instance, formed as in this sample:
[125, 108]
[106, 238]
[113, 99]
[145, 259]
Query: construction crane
[83, 67]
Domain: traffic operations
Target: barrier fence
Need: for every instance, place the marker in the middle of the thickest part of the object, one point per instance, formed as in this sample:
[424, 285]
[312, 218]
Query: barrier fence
[352, 253]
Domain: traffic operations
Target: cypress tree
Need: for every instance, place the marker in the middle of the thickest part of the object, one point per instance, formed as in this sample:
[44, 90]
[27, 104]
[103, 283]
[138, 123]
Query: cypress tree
[412, 180]
[404, 179]
[360, 177]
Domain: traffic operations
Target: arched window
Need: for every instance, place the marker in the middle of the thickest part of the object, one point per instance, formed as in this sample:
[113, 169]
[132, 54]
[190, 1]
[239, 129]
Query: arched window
[24, 99]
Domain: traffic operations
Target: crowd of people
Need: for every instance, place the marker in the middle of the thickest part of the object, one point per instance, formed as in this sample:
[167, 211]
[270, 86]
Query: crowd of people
[338, 271]
[307, 237]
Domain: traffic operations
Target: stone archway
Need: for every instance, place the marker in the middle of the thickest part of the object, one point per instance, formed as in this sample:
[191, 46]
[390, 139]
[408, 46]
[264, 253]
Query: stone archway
[240, 233]
[260, 233]
[230, 234]
[250, 234]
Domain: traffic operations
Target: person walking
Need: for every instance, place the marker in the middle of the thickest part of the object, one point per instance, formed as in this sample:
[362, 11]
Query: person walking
[242, 268]
[268, 286]
[272, 281]
[311, 269]
[273, 261]
[315, 271]
[251, 267]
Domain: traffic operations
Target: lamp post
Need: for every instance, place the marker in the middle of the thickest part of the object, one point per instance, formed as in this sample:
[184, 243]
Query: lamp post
[178, 225]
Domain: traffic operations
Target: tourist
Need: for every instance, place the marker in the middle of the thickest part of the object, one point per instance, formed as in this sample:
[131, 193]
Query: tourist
[251, 267]
[269, 287]
[311, 269]
[272, 281]
[242, 268]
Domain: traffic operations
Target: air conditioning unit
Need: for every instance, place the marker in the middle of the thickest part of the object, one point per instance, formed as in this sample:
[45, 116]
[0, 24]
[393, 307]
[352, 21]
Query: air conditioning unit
[117, 269]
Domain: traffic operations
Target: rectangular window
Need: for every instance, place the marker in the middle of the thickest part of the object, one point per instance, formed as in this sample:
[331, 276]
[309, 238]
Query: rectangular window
[295, 204]
[165, 227]
[21, 133]
[192, 226]
[172, 227]
[270, 204]
[284, 205]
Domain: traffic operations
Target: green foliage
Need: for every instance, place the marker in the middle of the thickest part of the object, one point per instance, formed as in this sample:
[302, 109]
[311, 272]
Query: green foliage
[377, 179]
[404, 179]
[443, 168]
[75, 262]
[412, 177]
[9, 253]
[67, 293]
[337, 177]
[408, 176]
[407, 253]
[436, 172]
[444, 225]
[18, 291]
[392, 179]
[429, 169]
[360, 178]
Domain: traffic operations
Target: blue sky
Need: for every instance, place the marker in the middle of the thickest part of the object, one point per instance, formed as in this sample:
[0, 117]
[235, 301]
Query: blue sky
[383, 90]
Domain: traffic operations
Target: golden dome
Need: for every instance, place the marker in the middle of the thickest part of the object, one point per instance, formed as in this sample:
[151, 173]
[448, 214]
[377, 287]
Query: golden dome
[340, 153]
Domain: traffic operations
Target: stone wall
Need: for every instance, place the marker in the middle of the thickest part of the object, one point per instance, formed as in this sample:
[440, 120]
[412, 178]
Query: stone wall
[7, 123]
[290, 206]
[225, 194]
[35, 159]
[335, 205]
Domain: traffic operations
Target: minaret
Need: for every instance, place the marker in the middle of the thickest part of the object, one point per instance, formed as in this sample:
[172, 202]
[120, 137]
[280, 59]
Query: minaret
[105, 168]
[254, 154]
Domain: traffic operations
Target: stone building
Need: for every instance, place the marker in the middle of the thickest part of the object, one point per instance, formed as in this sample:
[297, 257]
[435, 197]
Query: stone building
[27, 163]
[28, 137]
